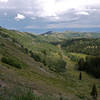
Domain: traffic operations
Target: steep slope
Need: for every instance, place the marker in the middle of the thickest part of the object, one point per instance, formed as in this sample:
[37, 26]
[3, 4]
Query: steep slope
[32, 75]
[30, 41]
[43, 52]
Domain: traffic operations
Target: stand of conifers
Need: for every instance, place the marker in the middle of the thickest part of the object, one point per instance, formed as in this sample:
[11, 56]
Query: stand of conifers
[94, 93]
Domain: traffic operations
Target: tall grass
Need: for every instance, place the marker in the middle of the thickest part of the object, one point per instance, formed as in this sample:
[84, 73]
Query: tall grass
[27, 94]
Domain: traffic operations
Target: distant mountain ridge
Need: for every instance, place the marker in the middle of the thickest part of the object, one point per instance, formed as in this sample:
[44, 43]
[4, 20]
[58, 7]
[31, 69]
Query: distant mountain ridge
[52, 36]
[49, 32]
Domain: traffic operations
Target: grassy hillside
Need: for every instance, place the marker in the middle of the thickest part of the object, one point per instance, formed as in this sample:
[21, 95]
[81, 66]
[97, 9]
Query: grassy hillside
[32, 75]
[43, 52]
[28, 40]
[44, 83]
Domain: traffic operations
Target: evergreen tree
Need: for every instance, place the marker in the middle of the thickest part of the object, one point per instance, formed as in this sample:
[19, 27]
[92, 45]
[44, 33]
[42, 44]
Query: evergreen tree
[26, 50]
[81, 64]
[30, 51]
[22, 46]
[94, 92]
[61, 98]
[80, 76]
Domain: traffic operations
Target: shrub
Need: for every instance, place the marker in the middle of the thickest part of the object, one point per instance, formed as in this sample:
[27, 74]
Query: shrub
[4, 35]
[54, 63]
[36, 56]
[73, 58]
[57, 65]
[13, 61]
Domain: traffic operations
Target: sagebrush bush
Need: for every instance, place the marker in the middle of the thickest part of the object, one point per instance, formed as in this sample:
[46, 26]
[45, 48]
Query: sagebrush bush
[57, 65]
[13, 61]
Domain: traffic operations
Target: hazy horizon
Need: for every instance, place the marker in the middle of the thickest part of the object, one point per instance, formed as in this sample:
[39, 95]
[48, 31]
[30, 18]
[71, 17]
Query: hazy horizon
[57, 30]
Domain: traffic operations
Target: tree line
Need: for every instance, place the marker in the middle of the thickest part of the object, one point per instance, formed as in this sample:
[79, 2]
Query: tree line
[91, 65]
[86, 46]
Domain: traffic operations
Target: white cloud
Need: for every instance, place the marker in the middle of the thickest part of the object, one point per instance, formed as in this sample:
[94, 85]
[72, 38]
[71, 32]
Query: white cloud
[19, 17]
[57, 7]
[82, 13]
[45, 8]
[4, 1]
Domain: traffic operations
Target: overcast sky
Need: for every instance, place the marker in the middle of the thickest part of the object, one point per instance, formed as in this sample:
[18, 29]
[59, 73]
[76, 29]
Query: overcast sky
[44, 15]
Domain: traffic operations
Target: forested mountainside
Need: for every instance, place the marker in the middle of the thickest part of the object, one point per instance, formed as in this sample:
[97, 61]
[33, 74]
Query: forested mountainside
[86, 46]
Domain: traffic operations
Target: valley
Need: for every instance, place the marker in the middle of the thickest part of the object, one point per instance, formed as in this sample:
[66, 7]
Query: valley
[46, 66]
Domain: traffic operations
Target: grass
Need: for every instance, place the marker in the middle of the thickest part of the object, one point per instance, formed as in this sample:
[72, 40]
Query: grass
[27, 94]
[79, 55]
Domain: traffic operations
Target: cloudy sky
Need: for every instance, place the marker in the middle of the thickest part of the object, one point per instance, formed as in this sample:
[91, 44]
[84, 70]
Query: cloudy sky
[56, 15]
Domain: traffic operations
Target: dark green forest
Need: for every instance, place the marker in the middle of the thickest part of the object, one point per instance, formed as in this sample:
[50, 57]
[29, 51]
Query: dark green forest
[85, 46]
[91, 65]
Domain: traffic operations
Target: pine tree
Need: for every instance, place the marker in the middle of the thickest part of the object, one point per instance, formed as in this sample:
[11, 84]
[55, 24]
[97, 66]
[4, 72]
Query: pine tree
[94, 92]
[30, 51]
[61, 98]
[26, 50]
[22, 46]
[80, 76]
[81, 64]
